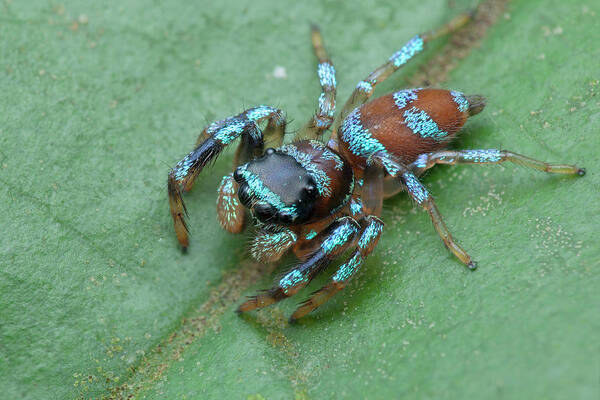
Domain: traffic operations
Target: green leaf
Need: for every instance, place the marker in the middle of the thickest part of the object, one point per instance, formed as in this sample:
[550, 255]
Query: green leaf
[97, 299]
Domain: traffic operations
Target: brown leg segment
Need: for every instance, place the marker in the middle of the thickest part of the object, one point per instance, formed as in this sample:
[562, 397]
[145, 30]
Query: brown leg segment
[421, 196]
[442, 230]
[373, 190]
[230, 212]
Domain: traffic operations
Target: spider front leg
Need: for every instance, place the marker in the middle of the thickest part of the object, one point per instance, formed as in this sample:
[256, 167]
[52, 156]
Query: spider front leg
[211, 142]
[365, 88]
[335, 239]
[369, 236]
[421, 196]
[489, 156]
[323, 118]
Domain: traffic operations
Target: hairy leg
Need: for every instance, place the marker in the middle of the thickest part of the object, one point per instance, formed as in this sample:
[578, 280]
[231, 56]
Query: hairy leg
[230, 212]
[215, 137]
[271, 242]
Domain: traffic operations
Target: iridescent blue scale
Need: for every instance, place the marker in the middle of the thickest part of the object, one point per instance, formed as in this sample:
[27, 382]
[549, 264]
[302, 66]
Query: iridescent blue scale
[422, 124]
[365, 86]
[182, 167]
[326, 73]
[260, 112]
[421, 161]
[293, 278]
[401, 57]
[325, 107]
[229, 201]
[310, 235]
[348, 269]
[415, 188]
[356, 206]
[359, 139]
[461, 101]
[482, 156]
[371, 232]
[340, 236]
[404, 97]
[390, 166]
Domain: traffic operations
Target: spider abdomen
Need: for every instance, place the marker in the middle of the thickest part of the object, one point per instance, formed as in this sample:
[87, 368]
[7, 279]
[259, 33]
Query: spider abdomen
[303, 194]
[406, 123]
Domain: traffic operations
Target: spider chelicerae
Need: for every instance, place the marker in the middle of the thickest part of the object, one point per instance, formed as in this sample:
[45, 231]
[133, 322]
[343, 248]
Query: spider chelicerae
[324, 200]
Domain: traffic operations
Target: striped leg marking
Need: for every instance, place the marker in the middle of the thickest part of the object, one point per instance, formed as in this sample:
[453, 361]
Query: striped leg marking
[489, 156]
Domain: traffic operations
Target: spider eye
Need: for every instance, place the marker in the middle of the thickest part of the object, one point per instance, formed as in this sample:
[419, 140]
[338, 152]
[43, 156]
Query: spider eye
[263, 211]
[243, 195]
[286, 217]
[237, 175]
[310, 189]
[269, 151]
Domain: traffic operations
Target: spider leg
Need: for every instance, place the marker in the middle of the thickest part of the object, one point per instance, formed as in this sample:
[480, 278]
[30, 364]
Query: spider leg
[369, 236]
[421, 196]
[365, 88]
[323, 118]
[335, 239]
[271, 242]
[211, 142]
[230, 212]
[489, 156]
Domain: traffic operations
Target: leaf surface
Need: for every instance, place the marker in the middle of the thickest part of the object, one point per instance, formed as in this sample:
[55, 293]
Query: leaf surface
[99, 100]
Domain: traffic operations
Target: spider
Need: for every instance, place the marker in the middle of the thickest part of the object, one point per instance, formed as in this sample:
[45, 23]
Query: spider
[325, 200]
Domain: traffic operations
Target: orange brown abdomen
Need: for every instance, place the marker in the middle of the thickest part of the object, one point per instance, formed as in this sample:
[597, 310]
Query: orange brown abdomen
[406, 123]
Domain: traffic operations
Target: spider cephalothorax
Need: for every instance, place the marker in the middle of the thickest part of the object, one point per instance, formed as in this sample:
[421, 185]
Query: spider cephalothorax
[312, 182]
[322, 201]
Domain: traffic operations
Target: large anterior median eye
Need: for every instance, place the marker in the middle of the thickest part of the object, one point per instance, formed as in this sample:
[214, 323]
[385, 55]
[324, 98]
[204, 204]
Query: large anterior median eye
[244, 195]
[264, 211]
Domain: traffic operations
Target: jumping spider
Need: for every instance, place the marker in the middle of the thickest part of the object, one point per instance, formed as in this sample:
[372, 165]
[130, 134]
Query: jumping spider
[322, 200]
